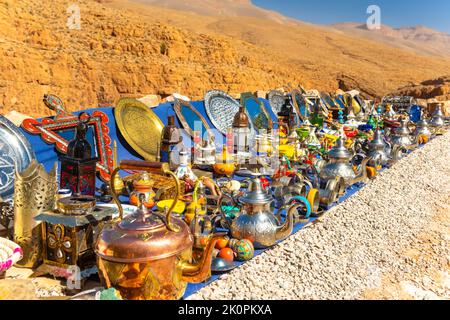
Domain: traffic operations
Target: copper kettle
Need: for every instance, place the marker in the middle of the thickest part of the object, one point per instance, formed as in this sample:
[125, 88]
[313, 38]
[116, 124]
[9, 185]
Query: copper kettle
[148, 255]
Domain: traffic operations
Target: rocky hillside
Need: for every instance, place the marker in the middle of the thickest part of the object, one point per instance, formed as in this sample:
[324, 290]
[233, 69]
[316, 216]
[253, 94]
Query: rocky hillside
[135, 49]
[418, 39]
[437, 88]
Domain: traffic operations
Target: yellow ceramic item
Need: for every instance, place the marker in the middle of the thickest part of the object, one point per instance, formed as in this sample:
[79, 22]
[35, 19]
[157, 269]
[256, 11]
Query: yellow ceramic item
[179, 207]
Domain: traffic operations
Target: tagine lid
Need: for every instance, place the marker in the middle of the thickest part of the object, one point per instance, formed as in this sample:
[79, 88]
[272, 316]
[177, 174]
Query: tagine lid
[256, 193]
[340, 151]
[143, 236]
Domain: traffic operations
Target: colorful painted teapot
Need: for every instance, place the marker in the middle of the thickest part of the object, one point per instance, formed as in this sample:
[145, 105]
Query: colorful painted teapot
[256, 221]
[148, 255]
[143, 186]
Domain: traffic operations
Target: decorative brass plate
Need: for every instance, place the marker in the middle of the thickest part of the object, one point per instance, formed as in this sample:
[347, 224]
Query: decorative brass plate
[140, 127]
[187, 115]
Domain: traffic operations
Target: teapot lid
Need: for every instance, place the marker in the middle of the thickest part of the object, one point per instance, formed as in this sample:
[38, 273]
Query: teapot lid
[256, 194]
[142, 236]
[339, 151]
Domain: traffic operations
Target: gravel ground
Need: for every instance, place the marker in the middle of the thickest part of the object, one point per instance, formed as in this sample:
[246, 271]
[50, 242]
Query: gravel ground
[391, 240]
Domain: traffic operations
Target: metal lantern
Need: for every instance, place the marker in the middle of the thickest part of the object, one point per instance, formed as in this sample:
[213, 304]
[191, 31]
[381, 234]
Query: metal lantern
[78, 167]
[69, 233]
[241, 135]
[78, 175]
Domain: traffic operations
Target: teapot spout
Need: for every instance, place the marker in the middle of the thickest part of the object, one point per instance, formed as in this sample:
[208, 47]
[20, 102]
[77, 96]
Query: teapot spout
[200, 271]
[285, 229]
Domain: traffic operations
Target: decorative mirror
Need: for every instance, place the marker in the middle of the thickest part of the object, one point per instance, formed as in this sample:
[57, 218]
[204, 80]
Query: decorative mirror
[256, 111]
[301, 106]
[61, 130]
[189, 117]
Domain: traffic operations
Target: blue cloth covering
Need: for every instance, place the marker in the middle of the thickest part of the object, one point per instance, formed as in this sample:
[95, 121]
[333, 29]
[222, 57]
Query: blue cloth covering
[46, 154]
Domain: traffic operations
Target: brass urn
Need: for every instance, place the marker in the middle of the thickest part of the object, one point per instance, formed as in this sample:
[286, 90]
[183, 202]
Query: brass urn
[148, 255]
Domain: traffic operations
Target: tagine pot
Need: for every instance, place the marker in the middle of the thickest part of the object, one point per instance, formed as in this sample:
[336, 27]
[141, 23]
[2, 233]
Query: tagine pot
[148, 255]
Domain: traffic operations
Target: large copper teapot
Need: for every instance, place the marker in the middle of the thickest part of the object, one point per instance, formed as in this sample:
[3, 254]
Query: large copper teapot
[148, 255]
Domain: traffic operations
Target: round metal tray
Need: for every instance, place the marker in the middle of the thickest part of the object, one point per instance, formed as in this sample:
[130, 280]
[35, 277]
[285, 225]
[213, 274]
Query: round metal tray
[221, 109]
[140, 127]
[15, 152]
[276, 100]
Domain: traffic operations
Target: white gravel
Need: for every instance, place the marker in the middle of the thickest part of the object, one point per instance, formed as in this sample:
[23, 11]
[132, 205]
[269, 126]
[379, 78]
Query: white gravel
[355, 243]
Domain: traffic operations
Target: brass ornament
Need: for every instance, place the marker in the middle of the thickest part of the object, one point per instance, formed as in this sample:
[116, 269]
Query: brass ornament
[35, 191]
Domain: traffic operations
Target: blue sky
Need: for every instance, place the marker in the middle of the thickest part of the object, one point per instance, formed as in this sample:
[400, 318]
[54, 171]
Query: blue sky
[434, 14]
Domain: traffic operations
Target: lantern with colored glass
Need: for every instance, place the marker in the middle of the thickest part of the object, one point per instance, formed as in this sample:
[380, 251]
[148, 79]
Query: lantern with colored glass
[78, 167]
[287, 116]
[241, 136]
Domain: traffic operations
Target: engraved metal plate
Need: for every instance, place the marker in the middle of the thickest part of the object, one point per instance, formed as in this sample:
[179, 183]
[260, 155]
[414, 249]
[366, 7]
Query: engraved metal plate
[221, 109]
[15, 150]
[276, 100]
[140, 127]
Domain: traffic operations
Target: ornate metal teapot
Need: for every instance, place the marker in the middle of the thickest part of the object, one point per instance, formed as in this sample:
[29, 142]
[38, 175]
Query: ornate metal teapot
[422, 131]
[437, 119]
[148, 255]
[256, 220]
[339, 165]
[378, 150]
[402, 135]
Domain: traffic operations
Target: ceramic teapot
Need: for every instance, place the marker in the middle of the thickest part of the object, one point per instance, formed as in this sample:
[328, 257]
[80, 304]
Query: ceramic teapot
[148, 255]
[256, 221]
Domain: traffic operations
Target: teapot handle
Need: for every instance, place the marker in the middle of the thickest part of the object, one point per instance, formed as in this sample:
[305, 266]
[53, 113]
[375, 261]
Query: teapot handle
[219, 207]
[151, 167]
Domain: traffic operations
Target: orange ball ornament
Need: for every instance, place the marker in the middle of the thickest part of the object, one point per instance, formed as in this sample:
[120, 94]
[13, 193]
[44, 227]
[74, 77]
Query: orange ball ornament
[222, 243]
[226, 254]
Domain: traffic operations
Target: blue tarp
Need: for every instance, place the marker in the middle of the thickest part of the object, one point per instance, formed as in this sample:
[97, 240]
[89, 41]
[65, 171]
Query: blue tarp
[46, 154]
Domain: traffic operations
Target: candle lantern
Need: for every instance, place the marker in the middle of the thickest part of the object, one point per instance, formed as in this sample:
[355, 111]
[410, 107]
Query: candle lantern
[170, 137]
[241, 136]
[78, 167]
[287, 116]
[69, 234]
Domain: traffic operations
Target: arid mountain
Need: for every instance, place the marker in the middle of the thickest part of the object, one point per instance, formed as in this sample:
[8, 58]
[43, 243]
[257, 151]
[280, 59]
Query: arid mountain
[136, 48]
[224, 8]
[419, 39]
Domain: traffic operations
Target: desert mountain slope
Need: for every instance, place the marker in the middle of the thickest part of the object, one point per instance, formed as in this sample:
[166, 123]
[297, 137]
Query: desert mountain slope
[225, 8]
[419, 39]
[133, 49]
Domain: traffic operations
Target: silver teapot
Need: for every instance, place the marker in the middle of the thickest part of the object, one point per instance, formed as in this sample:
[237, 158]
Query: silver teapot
[256, 220]
[379, 150]
[402, 135]
[340, 165]
[437, 119]
[422, 129]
